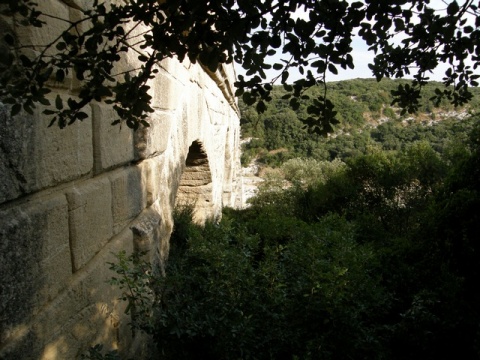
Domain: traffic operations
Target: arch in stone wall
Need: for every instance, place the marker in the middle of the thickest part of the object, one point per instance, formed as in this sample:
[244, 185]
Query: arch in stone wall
[195, 187]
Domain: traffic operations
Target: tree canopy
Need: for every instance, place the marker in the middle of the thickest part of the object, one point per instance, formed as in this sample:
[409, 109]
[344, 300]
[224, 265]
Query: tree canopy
[408, 37]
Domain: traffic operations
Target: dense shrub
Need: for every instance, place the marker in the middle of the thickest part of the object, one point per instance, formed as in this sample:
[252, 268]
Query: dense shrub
[378, 259]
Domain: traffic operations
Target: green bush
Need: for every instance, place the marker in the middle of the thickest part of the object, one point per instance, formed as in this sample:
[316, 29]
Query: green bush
[233, 294]
[378, 259]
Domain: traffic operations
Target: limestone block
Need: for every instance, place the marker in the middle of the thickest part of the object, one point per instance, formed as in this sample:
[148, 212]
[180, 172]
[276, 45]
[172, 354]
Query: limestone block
[34, 156]
[129, 195]
[39, 37]
[90, 312]
[166, 91]
[34, 260]
[113, 144]
[86, 313]
[196, 115]
[78, 4]
[218, 108]
[177, 69]
[148, 171]
[146, 230]
[129, 60]
[153, 140]
[6, 27]
[91, 222]
[162, 176]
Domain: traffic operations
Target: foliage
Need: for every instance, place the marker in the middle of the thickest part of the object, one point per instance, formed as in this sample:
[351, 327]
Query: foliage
[316, 43]
[232, 294]
[309, 171]
[95, 353]
[135, 277]
[361, 128]
[379, 259]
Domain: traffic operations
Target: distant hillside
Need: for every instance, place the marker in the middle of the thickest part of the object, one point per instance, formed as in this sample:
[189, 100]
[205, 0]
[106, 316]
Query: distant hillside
[366, 119]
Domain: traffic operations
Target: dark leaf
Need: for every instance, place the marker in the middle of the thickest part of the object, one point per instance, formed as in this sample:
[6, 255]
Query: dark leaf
[453, 8]
[9, 39]
[44, 101]
[81, 115]
[15, 109]
[52, 121]
[25, 61]
[60, 75]
[277, 66]
[61, 46]
[261, 107]
[59, 103]
[332, 69]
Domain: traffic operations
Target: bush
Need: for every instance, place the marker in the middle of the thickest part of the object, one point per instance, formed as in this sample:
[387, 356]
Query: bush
[377, 260]
[233, 294]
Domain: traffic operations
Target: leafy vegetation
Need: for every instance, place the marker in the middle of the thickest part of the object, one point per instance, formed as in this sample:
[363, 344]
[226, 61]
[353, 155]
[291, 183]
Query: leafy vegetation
[313, 37]
[367, 120]
[376, 257]
[96, 353]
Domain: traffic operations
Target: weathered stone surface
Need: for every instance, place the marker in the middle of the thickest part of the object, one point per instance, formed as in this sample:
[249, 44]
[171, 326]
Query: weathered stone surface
[34, 156]
[77, 4]
[92, 189]
[153, 140]
[129, 195]
[86, 313]
[46, 35]
[165, 92]
[113, 145]
[34, 260]
[146, 230]
[90, 221]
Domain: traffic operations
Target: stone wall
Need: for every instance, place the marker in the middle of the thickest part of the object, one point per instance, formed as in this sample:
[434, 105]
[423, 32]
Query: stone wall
[71, 198]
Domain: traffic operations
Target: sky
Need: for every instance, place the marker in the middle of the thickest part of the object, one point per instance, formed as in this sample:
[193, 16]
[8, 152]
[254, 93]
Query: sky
[362, 57]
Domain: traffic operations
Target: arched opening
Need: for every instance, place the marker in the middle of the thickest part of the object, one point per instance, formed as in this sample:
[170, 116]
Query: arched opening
[196, 183]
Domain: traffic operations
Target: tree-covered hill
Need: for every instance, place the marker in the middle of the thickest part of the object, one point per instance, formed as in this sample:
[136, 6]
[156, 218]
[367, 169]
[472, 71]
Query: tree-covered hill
[367, 118]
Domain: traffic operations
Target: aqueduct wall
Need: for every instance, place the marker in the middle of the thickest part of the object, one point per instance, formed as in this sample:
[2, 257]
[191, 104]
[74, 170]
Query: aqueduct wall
[71, 198]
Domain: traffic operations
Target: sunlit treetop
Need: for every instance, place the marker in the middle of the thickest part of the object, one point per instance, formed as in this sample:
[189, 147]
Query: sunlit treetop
[314, 37]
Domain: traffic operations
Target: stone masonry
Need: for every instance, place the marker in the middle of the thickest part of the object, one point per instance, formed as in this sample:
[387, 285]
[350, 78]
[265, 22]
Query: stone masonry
[71, 198]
